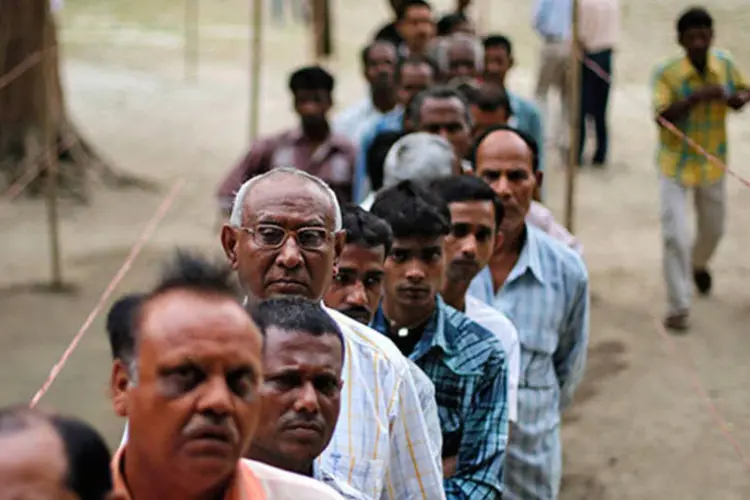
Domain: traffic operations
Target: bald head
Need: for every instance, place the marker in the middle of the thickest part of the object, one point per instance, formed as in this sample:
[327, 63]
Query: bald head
[290, 177]
[505, 144]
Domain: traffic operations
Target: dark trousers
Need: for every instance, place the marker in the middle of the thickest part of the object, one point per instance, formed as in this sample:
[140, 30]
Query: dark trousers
[594, 100]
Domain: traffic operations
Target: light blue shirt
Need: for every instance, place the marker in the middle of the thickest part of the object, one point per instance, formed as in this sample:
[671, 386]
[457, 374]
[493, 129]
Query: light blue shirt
[552, 19]
[354, 121]
[546, 297]
[393, 120]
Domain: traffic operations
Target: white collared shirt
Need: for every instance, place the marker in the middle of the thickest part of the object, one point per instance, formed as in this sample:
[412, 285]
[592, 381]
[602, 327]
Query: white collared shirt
[497, 323]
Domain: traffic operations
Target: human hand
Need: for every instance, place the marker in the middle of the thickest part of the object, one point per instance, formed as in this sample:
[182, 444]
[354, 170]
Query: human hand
[739, 99]
[709, 93]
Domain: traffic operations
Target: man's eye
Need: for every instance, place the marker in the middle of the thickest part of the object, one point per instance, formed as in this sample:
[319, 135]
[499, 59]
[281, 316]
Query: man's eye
[518, 175]
[432, 255]
[327, 386]
[371, 281]
[460, 230]
[344, 279]
[490, 176]
[399, 256]
[483, 235]
[182, 380]
[242, 384]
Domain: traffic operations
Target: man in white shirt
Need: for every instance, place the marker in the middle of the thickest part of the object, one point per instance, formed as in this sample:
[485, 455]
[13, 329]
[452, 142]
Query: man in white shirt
[285, 237]
[476, 215]
[379, 64]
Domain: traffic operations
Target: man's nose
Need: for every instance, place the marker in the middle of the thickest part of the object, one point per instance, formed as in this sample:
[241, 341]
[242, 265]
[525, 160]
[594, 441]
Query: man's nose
[217, 398]
[502, 187]
[469, 246]
[307, 399]
[356, 295]
[415, 272]
[290, 256]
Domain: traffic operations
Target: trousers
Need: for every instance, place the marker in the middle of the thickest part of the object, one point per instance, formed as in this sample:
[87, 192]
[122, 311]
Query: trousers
[594, 103]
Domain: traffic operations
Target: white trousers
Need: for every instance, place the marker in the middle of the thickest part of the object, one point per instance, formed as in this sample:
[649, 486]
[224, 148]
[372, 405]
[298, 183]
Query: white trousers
[681, 254]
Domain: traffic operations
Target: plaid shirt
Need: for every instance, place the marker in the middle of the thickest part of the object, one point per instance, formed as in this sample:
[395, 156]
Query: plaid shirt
[706, 124]
[467, 365]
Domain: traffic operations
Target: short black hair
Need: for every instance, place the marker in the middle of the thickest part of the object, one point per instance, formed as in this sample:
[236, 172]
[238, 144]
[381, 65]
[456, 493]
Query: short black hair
[462, 188]
[377, 153]
[189, 271]
[497, 40]
[489, 97]
[295, 314]
[407, 4]
[415, 60]
[414, 109]
[311, 78]
[365, 229]
[365, 54]
[448, 23]
[694, 17]
[88, 458]
[413, 211]
[121, 324]
[530, 142]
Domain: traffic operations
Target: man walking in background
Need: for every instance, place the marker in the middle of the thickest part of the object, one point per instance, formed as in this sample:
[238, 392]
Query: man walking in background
[598, 32]
[694, 92]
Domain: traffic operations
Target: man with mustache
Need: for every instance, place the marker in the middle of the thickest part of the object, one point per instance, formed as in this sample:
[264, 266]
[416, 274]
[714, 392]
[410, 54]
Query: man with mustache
[357, 289]
[285, 238]
[542, 287]
[303, 355]
[476, 216]
[464, 361]
[379, 63]
[191, 396]
[312, 146]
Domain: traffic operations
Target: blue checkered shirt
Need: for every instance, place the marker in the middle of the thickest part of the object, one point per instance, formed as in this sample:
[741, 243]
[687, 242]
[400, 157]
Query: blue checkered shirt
[546, 296]
[468, 367]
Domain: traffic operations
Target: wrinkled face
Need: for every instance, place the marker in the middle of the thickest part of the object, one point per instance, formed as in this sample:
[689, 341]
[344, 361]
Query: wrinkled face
[417, 27]
[414, 79]
[483, 120]
[461, 61]
[195, 405]
[447, 118]
[312, 107]
[505, 162]
[469, 246]
[381, 64]
[300, 397]
[697, 42]
[414, 271]
[33, 465]
[288, 245]
[497, 62]
[358, 285]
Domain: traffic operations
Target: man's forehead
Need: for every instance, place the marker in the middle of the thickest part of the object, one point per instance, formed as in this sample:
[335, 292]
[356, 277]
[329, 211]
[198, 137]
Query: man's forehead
[503, 144]
[472, 212]
[287, 346]
[355, 254]
[418, 242]
[283, 196]
[38, 446]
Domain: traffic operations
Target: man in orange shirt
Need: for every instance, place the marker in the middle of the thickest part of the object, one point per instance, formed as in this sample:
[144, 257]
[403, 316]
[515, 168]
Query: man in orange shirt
[191, 396]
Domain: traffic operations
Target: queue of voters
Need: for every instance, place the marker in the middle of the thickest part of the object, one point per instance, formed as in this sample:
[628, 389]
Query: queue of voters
[397, 315]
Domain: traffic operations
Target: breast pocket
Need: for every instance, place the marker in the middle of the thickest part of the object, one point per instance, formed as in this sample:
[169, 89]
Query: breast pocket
[364, 475]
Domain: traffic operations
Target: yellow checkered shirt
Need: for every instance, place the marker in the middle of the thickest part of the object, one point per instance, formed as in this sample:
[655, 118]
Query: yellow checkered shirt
[673, 81]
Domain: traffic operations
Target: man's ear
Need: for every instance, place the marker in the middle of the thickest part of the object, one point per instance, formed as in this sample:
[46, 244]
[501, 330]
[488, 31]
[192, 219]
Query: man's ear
[539, 178]
[499, 240]
[118, 387]
[229, 242]
[339, 241]
[511, 62]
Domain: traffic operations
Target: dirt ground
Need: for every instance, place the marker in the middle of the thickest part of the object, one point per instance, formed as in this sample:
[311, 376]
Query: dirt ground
[640, 429]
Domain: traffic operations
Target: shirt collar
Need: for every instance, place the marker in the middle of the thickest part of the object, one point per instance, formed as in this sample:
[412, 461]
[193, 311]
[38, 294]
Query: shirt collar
[244, 484]
[712, 66]
[529, 260]
[325, 477]
[334, 141]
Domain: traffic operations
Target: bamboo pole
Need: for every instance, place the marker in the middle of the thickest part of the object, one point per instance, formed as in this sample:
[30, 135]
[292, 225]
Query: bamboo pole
[574, 99]
[318, 29]
[256, 63]
[49, 143]
[192, 39]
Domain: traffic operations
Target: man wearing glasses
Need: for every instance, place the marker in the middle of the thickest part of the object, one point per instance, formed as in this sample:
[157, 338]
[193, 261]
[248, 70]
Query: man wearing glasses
[284, 238]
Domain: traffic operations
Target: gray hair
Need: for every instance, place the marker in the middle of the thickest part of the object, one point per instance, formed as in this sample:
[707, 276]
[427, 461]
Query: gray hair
[235, 219]
[458, 39]
[418, 157]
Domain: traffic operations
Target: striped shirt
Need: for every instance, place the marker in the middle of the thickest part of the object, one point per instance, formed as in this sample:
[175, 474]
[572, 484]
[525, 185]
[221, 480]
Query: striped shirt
[546, 297]
[675, 80]
[468, 367]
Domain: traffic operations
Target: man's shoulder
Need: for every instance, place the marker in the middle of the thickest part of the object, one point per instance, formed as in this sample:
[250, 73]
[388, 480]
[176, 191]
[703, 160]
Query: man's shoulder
[473, 343]
[286, 485]
[558, 254]
[527, 105]
[670, 67]
[369, 342]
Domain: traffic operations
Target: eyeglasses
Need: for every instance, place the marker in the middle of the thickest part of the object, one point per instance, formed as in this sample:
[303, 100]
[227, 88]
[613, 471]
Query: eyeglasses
[272, 237]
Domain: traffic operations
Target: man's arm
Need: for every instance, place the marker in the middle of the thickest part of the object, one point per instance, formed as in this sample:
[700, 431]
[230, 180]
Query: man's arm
[570, 357]
[740, 88]
[415, 468]
[667, 106]
[479, 468]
